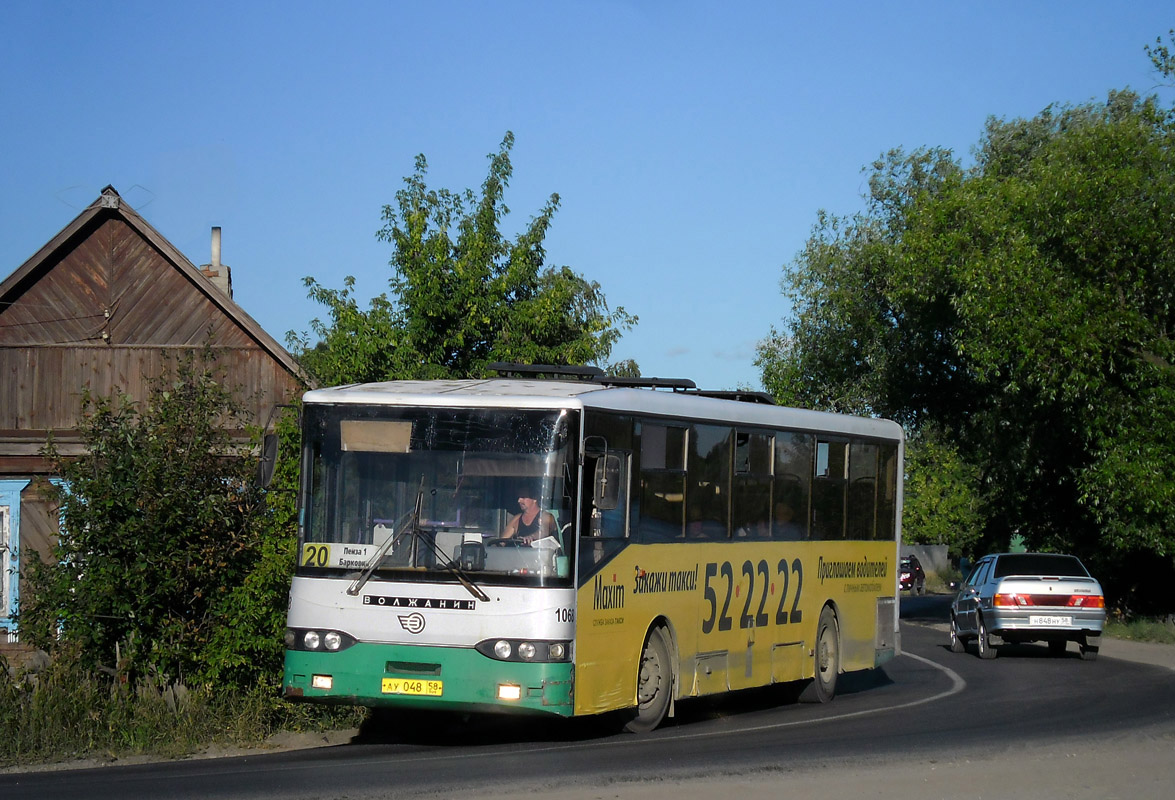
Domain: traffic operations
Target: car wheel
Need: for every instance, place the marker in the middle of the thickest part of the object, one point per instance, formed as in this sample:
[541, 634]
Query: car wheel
[1057, 647]
[986, 651]
[921, 588]
[1088, 653]
[957, 644]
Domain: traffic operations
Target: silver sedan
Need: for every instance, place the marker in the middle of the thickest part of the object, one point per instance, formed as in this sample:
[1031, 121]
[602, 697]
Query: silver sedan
[1028, 597]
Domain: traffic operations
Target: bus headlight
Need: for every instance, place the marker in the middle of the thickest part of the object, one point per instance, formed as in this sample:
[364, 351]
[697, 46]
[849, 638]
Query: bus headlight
[525, 650]
[318, 640]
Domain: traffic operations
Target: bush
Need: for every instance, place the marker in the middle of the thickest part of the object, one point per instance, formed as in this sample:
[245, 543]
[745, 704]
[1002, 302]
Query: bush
[170, 563]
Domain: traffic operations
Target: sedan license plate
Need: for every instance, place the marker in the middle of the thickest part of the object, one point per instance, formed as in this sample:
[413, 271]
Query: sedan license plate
[1050, 620]
[412, 686]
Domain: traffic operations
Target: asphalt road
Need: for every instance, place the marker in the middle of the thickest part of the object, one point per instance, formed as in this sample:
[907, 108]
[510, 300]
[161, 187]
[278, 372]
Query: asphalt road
[927, 708]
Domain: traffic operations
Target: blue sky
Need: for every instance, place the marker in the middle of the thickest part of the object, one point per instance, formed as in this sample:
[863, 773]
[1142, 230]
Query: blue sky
[692, 143]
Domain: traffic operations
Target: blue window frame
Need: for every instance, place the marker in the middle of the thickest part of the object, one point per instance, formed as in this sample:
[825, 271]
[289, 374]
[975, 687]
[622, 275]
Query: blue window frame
[10, 553]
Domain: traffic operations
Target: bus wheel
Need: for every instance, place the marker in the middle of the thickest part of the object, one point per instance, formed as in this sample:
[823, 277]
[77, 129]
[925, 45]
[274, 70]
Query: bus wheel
[823, 686]
[654, 686]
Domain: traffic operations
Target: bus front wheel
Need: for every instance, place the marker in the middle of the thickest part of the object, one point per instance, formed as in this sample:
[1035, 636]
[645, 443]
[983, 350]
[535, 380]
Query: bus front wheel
[827, 660]
[654, 686]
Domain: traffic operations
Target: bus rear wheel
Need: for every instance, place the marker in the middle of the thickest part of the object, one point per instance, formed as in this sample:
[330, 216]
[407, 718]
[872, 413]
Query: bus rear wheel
[654, 686]
[827, 660]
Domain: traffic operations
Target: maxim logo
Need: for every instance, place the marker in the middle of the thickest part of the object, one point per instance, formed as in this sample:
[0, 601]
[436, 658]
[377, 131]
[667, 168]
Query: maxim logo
[607, 596]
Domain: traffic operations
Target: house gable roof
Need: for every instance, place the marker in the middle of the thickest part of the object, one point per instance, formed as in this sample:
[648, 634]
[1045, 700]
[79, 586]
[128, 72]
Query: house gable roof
[110, 205]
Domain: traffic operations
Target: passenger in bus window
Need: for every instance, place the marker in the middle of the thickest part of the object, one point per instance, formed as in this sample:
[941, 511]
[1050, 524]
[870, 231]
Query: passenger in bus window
[531, 522]
[786, 526]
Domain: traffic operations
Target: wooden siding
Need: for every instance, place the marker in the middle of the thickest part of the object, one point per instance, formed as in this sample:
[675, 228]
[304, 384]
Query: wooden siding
[41, 387]
[115, 288]
[108, 310]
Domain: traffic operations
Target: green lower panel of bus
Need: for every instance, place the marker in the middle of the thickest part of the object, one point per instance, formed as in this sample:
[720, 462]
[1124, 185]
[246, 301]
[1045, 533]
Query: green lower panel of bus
[446, 678]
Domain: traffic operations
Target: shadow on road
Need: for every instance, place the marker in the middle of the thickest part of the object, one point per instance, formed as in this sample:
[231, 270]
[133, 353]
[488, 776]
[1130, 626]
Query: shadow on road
[927, 608]
[450, 729]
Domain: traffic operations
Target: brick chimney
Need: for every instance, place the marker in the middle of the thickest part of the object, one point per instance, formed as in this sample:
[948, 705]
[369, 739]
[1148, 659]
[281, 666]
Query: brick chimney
[218, 273]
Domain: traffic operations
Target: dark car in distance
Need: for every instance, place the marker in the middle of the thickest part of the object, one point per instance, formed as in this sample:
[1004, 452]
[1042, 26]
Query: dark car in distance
[1028, 597]
[911, 575]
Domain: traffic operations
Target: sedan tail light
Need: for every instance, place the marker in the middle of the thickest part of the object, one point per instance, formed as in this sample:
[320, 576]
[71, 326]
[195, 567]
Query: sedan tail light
[1070, 601]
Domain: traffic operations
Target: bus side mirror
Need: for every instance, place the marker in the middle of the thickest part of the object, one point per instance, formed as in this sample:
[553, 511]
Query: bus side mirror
[606, 494]
[267, 462]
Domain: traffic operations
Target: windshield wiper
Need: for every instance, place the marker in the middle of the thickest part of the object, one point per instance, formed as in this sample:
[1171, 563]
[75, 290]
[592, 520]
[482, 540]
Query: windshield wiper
[414, 529]
[455, 570]
[374, 562]
[443, 561]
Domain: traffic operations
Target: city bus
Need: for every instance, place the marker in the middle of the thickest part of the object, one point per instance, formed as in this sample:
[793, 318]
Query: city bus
[691, 543]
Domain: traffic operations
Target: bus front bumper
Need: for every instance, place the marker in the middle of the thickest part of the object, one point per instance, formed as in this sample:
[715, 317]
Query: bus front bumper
[403, 676]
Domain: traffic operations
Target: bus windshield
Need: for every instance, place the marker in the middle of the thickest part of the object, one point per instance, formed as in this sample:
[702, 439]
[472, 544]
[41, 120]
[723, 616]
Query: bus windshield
[420, 493]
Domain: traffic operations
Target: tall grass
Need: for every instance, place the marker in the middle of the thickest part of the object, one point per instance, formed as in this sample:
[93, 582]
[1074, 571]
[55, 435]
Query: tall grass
[1142, 629]
[66, 712]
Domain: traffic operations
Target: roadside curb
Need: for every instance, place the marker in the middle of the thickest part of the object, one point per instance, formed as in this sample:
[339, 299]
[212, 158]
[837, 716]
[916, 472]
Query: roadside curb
[1159, 655]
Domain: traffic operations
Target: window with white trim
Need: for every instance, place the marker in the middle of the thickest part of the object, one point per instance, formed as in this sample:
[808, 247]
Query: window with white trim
[6, 563]
[10, 552]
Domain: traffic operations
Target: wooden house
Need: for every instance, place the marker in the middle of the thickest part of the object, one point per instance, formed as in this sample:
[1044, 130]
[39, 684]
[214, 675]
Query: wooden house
[108, 304]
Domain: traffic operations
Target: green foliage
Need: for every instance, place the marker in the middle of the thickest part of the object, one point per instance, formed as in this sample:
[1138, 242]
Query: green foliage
[1024, 307]
[247, 648]
[943, 500]
[71, 711]
[462, 294]
[159, 526]
[1141, 629]
[1161, 58]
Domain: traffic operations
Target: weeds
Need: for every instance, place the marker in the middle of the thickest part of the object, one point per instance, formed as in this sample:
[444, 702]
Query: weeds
[66, 711]
[1142, 629]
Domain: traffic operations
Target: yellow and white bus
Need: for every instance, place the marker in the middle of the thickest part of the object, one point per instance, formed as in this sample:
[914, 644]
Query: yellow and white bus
[690, 544]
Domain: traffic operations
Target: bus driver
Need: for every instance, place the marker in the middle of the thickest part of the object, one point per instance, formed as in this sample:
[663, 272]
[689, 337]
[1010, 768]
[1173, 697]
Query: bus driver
[531, 522]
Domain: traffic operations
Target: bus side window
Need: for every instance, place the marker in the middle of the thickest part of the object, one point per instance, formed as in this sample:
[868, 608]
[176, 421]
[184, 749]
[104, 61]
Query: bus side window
[828, 490]
[707, 513]
[791, 510]
[753, 462]
[862, 497]
[607, 496]
[604, 530]
[662, 482]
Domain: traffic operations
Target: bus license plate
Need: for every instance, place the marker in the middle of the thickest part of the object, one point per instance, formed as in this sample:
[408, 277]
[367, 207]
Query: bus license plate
[412, 686]
[1050, 620]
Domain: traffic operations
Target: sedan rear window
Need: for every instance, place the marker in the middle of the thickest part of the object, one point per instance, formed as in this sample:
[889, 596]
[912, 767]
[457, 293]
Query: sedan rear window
[1039, 564]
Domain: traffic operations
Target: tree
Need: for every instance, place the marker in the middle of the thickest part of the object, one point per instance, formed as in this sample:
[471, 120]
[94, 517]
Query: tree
[462, 295]
[246, 649]
[943, 497]
[1024, 307]
[158, 527]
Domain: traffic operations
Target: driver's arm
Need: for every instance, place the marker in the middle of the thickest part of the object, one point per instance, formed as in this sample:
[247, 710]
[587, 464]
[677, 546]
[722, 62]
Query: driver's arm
[511, 527]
